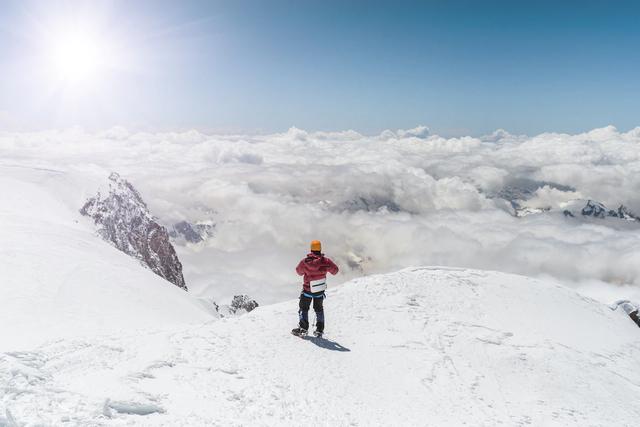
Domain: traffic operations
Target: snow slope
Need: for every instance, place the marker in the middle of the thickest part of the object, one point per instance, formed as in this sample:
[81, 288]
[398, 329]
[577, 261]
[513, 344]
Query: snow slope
[423, 346]
[59, 280]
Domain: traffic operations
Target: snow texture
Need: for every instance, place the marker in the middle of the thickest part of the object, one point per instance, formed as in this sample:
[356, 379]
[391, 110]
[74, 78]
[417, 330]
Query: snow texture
[423, 346]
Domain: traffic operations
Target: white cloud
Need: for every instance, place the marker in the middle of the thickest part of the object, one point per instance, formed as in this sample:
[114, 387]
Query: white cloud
[549, 197]
[501, 135]
[421, 132]
[400, 198]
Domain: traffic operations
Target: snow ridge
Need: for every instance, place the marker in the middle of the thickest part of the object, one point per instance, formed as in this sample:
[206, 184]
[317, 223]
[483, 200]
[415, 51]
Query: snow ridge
[424, 346]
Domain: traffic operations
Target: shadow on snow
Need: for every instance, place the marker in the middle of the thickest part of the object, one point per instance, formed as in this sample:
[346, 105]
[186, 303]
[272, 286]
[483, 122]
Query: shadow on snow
[325, 343]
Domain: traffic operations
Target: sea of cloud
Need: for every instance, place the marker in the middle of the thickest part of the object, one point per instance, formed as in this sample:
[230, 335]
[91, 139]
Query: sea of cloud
[378, 203]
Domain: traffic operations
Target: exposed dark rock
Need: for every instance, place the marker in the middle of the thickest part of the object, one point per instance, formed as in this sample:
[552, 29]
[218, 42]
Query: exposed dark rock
[123, 219]
[598, 210]
[242, 302]
[594, 209]
[624, 213]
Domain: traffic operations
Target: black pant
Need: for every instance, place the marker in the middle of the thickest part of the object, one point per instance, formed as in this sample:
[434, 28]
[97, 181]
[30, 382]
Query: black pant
[305, 303]
[634, 316]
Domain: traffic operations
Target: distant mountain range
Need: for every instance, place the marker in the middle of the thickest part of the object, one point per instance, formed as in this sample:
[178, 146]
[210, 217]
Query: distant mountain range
[519, 192]
[598, 210]
[187, 232]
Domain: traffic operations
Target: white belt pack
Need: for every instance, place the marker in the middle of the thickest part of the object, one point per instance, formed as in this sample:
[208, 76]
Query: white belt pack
[318, 285]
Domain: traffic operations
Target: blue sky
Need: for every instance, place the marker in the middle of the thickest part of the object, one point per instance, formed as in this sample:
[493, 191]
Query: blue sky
[459, 67]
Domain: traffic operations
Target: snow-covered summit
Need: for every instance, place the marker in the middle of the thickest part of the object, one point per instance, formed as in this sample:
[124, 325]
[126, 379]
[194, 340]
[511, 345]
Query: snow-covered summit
[598, 210]
[124, 219]
[423, 346]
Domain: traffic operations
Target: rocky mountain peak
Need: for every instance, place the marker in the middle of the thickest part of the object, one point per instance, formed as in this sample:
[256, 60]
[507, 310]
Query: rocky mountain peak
[240, 304]
[243, 302]
[123, 219]
[594, 209]
[599, 210]
[624, 213]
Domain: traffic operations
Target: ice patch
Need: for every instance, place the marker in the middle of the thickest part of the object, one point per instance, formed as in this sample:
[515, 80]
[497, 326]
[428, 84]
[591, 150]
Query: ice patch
[130, 408]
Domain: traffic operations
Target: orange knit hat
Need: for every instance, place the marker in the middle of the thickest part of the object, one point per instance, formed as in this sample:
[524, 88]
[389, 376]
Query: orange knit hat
[316, 246]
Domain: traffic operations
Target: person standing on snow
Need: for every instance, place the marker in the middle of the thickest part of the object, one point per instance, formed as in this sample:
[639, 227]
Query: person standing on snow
[314, 268]
[629, 307]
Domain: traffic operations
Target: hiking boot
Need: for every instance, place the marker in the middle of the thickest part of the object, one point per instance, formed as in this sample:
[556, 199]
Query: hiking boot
[299, 332]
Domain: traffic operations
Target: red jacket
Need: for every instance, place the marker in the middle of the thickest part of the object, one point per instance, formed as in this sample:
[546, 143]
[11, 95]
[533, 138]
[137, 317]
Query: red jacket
[315, 267]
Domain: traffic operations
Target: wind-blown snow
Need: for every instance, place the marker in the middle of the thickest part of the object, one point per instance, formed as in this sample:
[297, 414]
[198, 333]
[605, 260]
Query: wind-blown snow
[378, 203]
[59, 280]
[424, 346]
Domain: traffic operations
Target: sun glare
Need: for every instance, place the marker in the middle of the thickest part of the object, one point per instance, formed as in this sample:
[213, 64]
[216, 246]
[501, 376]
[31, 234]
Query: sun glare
[79, 55]
[78, 59]
[76, 56]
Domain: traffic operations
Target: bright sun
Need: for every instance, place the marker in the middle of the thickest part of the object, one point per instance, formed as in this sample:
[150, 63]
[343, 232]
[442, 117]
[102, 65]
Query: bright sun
[79, 53]
[77, 56]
